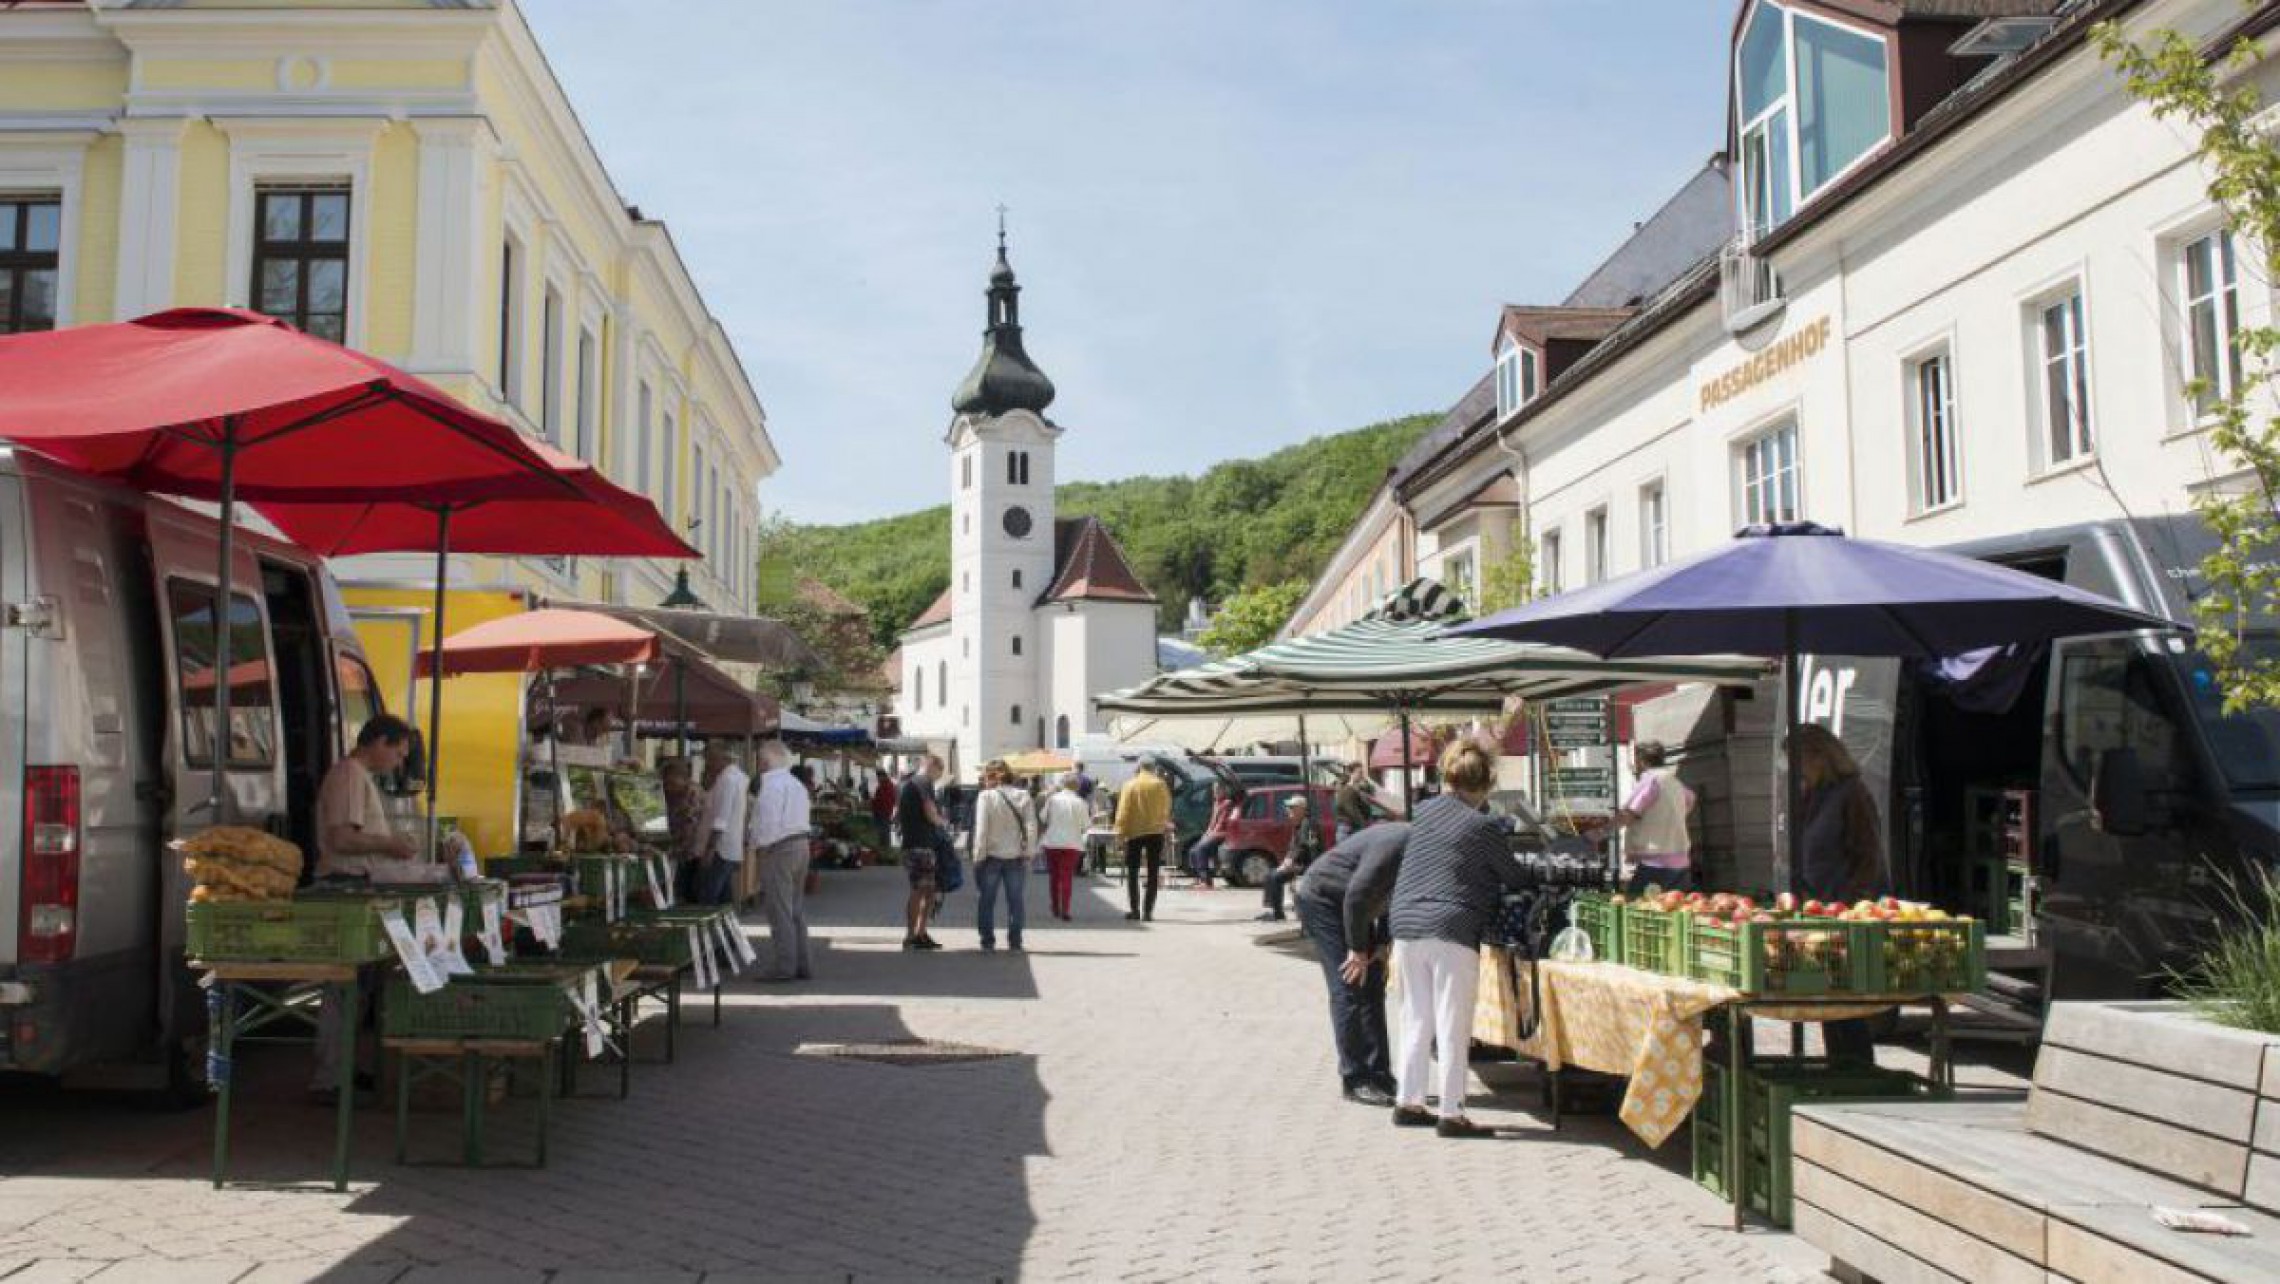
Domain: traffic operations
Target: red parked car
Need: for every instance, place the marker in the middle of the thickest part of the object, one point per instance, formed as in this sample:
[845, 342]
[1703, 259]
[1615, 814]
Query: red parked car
[1260, 833]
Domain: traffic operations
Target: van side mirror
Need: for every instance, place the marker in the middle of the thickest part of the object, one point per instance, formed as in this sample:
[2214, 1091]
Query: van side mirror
[2118, 798]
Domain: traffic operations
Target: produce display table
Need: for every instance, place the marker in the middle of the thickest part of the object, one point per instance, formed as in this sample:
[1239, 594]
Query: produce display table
[463, 1061]
[240, 1006]
[1647, 1028]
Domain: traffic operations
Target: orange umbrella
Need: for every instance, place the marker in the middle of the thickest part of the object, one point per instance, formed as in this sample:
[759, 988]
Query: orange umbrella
[535, 640]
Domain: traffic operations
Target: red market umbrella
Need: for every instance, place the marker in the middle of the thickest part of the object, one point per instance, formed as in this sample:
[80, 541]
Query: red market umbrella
[222, 404]
[535, 640]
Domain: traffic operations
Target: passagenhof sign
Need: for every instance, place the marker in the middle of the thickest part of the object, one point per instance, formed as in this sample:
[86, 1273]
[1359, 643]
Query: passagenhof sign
[1783, 354]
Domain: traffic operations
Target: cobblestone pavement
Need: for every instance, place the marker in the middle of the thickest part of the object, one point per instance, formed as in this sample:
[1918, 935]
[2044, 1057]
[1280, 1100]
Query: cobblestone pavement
[1166, 1110]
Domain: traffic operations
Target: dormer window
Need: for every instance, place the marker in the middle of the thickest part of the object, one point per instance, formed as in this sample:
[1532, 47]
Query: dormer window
[1519, 377]
[1812, 97]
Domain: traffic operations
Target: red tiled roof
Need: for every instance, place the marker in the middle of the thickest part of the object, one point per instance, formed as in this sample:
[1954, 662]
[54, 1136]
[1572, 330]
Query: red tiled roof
[1541, 325]
[939, 613]
[1090, 567]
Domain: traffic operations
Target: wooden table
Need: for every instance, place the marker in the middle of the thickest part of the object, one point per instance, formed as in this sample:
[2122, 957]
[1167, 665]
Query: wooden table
[239, 1006]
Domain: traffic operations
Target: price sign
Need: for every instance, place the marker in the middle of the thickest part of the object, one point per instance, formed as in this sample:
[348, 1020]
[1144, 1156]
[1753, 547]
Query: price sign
[1580, 723]
[1587, 789]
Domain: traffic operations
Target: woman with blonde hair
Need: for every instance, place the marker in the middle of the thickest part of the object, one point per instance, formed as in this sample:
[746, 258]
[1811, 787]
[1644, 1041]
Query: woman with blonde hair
[1453, 876]
[1840, 854]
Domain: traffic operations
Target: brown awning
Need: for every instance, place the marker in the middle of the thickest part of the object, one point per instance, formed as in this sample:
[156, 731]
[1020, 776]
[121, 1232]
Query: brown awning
[739, 639]
[717, 704]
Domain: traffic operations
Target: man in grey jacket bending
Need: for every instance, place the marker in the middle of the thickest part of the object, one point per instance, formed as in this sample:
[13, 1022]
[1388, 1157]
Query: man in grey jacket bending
[1341, 903]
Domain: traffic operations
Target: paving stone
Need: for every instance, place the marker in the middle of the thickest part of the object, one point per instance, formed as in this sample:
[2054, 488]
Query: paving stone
[145, 1271]
[58, 1270]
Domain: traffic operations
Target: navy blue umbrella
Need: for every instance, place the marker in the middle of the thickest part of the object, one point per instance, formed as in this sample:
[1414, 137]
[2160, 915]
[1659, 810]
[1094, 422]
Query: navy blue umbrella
[1805, 589]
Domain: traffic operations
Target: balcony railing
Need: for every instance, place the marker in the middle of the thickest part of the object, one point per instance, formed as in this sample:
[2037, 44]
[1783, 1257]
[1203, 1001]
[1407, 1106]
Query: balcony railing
[1749, 290]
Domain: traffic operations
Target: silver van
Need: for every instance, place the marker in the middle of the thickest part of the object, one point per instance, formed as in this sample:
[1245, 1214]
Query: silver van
[108, 670]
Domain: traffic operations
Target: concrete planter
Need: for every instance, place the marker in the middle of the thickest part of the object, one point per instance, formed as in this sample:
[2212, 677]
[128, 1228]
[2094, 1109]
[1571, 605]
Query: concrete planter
[2158, 1086]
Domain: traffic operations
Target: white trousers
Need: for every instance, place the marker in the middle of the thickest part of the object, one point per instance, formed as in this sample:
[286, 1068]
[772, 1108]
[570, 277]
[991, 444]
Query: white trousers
[1438, 982]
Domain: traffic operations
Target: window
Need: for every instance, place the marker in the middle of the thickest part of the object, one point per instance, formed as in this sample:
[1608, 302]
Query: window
[1017, 467]
[253, 735]
[1597, 557]
[1017, 577]
[1017, 644]
[359, 698]
[1016, 719]
[1061, 732]
[1654, 525]
[1518, 377]
[942, 680]
[1259, 806]
[31, 229]
[917, 688]
[1768, 466]
[510, 322]
[965, 581]
[2212, 317]
[699, 488]
[1935, 480]
[644, 443]
[300, 258]
[1460, 577]
[550, 366]
[672, 464]
[966, 473]
[1548, 554]
[2063, 343]
[589, 395]
[2114, 701]
[1813, 97]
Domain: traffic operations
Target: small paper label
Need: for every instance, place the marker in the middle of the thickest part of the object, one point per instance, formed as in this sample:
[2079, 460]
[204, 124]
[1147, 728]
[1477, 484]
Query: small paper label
[701, 958]
[428, 926]
[493, 936]
[718, 939]
[424, 977]
[665, 882]
[741, 940]
[656, 889]
[589, 1008]
[452, 958]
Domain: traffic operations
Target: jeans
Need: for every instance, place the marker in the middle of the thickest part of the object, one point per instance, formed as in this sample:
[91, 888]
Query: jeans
[1357, 1012]
[1148, 848]
[1061, 866]
[1670, 880]
[1203, 857]
[1273, 887]
[1439, 980]
[716, 881]
[783, 882]
[989, 877]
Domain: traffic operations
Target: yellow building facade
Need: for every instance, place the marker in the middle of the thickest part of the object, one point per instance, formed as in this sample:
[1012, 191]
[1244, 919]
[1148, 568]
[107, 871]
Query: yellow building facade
[406, 176]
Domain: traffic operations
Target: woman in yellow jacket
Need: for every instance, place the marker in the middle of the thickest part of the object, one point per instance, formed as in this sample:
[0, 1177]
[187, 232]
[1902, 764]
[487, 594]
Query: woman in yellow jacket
[1143, 817]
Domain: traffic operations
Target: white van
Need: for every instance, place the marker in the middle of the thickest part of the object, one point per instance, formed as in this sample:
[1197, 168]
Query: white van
[107, 735]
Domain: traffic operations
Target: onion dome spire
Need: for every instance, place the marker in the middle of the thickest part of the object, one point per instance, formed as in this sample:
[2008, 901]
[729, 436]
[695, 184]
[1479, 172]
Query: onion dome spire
[1003, 378]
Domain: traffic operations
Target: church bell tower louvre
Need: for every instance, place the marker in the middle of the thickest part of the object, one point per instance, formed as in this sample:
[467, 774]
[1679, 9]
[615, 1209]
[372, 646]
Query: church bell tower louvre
[1001, 536]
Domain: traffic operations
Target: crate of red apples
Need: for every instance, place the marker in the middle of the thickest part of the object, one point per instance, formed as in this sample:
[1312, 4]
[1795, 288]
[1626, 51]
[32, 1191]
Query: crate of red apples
[1787, 946]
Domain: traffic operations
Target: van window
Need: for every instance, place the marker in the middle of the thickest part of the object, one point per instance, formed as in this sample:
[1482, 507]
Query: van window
[2245, 744]
[253, 725]
[1259, 807]
[2110, 698]
[359, 697]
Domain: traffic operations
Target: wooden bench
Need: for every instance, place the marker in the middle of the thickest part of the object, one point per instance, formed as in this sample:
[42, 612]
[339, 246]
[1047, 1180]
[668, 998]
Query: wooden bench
[2133, 1107]
[465, 1061]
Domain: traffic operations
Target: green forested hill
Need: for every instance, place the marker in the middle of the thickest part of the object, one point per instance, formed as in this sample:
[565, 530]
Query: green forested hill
[1242, 524]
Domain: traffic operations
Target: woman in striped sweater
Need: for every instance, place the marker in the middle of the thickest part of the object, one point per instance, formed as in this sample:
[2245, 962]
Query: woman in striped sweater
[1457, 867]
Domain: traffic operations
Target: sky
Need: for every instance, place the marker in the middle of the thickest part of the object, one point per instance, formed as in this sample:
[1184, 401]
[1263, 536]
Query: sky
[1237, 223]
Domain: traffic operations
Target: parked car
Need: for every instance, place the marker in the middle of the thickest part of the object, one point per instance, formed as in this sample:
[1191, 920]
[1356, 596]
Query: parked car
[107, 736]
[1261, 830]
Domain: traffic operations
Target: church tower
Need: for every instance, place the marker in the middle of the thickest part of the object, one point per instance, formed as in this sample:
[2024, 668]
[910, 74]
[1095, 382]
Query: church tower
[1002, 533]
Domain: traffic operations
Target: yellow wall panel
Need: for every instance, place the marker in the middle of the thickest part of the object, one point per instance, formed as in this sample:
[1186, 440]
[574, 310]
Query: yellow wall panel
[393, 243]
[482, 713]
[98, 253]
[425, 73]
[203, 225]
[209, 73]
[68, 86]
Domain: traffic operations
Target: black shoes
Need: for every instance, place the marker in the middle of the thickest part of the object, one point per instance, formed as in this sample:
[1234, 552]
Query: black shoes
[1463, 1129]
[1131, 916]
[920, 943]
[1267, 916]
[1369, 1094]
[1412, 1117]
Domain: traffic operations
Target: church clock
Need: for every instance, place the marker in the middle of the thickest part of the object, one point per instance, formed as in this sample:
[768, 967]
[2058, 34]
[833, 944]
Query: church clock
[1017, 522]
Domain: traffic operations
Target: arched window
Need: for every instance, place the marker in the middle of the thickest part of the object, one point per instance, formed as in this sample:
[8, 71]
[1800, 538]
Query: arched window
[1061, 732]
[1041, 732]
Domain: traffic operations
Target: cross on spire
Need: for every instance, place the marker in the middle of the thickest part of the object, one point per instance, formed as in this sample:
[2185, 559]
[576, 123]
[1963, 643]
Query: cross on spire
[1001, 229]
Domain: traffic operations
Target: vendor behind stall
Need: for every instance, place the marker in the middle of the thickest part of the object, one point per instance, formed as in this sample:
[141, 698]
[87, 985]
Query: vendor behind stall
[354, 836]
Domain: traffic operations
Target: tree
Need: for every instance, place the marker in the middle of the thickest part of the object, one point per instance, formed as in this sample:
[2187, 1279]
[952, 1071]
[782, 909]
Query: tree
[1251, 618]
[1510, 580]
[2169, 74]
[838, 632]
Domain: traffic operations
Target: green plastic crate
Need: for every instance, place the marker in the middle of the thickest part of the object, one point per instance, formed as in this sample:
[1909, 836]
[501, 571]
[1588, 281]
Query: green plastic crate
[509, 866]
[1791, 956]
[307, 929]
[664, 943]
[500, 1004]
[1929, 958]
[1654, 941]
[1601, 919]
[1774, 1090]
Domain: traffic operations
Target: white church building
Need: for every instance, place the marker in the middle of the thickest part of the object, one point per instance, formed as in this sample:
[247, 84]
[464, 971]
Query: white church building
[1042, 612]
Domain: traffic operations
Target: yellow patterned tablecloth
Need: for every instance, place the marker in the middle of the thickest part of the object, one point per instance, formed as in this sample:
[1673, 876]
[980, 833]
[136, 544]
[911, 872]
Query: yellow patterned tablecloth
[1615, 1020]
[1644, 1026]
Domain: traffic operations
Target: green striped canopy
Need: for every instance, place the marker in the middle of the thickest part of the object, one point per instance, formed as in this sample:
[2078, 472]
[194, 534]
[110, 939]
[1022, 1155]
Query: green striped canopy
[1393, 661]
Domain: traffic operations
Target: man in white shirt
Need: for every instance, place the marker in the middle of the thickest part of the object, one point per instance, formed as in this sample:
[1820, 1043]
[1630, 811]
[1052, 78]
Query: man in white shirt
[722, 851]
[779, 837]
